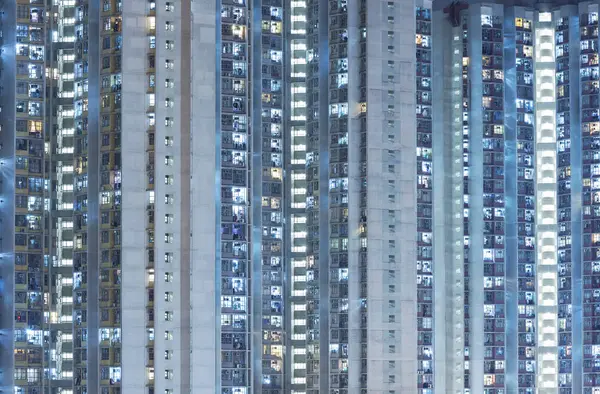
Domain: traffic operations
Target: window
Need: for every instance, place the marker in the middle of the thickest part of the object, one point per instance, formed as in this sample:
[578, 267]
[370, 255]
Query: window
[33, 375]
[20, 374]
[169, 7]
[151, 23]
[168, 335]
[168, 374]
[169, 26]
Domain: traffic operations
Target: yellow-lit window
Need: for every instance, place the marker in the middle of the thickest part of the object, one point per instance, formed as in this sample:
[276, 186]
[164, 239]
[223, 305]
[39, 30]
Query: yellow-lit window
[276, 351]
[276, 173]
[150, 373]
[151, 23]
[275, 27]
[35, 126]
[519, 22]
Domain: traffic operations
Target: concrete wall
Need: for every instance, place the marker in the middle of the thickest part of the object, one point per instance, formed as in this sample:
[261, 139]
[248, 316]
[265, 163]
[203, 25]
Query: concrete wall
[133, 246]
[404, 148]
[205, 194]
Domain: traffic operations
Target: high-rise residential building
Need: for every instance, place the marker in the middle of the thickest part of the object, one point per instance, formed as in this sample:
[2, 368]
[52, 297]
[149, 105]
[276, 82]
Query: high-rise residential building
[515, 120]
[184, 201]
[299, 197]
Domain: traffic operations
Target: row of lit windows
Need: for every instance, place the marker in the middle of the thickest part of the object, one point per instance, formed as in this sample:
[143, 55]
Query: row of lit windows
[492, 32]
[526, 294]
[588, 70]
[237, 302]
[425, 211]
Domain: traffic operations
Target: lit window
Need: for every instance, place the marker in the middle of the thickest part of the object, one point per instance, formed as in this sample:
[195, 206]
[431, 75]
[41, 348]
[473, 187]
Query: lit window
[151, 23]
